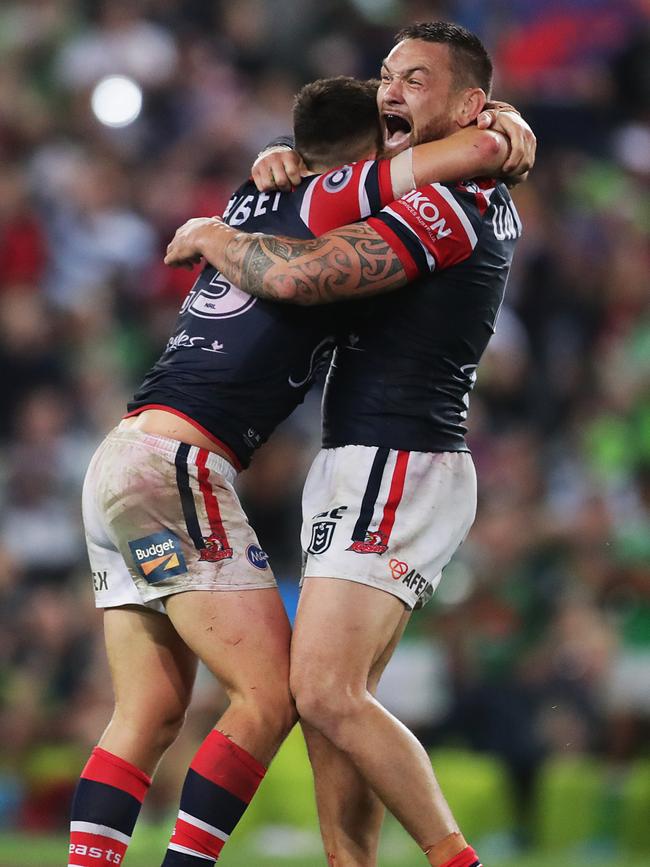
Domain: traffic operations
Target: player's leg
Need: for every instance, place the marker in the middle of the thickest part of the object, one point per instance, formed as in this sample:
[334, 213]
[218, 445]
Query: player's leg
[243, 637]
[152, 673]
[349, 812]
[379, 525]
[339, 634]
[171, 512]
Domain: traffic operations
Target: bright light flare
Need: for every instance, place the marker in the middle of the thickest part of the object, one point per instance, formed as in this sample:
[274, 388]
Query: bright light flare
[116, 100]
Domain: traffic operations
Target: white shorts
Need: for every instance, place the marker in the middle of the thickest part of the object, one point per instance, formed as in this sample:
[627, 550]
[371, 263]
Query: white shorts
[162, 517]
[388, 519]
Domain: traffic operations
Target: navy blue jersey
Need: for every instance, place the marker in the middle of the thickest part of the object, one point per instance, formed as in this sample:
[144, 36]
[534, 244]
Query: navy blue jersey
[236, 366]
[402, 375]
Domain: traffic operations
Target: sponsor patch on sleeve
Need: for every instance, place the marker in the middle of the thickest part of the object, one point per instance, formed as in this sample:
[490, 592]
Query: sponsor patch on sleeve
[158, 556]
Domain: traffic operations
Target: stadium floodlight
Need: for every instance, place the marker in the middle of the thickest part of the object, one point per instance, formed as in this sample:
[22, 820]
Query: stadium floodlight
[116, 100]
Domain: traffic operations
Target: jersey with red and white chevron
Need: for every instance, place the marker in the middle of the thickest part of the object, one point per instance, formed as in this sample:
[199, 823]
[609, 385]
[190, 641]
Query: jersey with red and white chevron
[402, 377]
[237, 366]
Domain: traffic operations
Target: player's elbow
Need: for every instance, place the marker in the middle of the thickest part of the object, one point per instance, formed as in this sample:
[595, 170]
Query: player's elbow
[285, 290]
[493, 147]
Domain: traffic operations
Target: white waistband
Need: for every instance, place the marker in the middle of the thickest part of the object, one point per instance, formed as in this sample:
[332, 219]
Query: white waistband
[169, 448]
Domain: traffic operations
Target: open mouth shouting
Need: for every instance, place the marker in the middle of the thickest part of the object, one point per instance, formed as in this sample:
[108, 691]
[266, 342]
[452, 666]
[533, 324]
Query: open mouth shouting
[397, 130]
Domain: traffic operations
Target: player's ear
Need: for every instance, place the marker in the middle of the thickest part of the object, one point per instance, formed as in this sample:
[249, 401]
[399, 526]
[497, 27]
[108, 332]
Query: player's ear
[470, 105]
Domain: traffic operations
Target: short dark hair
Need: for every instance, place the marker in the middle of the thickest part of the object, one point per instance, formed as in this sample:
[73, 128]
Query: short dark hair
[334, 119]
[470, 63]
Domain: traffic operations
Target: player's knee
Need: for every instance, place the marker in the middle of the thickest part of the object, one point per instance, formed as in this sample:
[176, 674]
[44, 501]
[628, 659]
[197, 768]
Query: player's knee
[273, 707]
[325, 704]
[283, 713]
[169, 729]
[160, 728]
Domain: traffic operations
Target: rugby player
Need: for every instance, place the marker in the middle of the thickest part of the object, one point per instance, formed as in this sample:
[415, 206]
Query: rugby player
[165, 530]
[393, 492]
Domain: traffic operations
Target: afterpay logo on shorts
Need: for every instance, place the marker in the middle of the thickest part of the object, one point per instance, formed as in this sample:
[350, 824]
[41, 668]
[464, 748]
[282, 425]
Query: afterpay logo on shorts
[158, 556]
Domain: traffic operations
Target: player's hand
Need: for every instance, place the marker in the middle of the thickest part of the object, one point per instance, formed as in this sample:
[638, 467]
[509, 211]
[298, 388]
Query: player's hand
[504, 118]
[278, 168]
[183, 251]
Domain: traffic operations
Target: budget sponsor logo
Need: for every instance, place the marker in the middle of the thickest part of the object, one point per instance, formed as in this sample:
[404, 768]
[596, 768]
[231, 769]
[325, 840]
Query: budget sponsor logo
[158, 556]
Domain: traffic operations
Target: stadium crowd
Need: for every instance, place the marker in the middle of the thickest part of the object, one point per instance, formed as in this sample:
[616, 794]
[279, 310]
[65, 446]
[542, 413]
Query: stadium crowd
[541, 626]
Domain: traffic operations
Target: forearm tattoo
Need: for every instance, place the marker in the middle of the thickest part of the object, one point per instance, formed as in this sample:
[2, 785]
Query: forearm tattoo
[348, 262]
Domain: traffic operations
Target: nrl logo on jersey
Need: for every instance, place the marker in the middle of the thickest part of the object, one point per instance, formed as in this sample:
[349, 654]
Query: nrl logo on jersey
[321, 536]
[322, 531]
[216, 299]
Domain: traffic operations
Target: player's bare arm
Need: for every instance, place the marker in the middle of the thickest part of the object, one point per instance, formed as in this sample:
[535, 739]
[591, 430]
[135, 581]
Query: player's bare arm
[351, 261]
[469, 153]
[280, 168]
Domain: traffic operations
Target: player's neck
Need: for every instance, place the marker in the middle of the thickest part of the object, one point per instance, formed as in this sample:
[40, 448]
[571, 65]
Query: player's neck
[319, 167]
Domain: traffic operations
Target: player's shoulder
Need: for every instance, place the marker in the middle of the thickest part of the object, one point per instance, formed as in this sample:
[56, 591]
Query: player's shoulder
[481, 198]
[475, 194]
[346, 194]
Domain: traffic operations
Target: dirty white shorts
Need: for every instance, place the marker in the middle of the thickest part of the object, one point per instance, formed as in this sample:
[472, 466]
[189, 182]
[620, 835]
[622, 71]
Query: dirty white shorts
[389, 519]
[162, 517]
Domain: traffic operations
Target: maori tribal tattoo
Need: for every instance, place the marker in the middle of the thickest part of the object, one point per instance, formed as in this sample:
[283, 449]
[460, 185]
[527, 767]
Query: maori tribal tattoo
[349, 262]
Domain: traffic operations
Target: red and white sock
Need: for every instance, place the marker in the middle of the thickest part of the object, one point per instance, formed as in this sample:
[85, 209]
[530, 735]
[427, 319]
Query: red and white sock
[105, 807]
[219, 785]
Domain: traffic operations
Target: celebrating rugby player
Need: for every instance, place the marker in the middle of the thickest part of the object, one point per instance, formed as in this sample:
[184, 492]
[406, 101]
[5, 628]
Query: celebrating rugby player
[393, 492]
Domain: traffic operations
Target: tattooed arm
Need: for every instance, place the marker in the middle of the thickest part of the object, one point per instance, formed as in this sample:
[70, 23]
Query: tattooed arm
[348, 262]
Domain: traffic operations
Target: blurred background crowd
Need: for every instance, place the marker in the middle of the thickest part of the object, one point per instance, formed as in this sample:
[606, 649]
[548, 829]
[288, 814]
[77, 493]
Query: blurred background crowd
[537, 646]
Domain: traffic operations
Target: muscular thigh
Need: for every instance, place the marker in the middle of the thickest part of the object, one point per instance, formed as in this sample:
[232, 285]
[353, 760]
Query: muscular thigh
[242, 636]
[344, 632]
[152, 668]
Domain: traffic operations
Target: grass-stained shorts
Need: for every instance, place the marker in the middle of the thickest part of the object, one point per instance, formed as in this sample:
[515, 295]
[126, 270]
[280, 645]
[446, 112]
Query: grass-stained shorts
[389, 519]
[162, 517]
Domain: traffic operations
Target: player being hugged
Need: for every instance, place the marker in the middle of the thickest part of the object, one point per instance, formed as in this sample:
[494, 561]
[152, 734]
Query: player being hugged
[393, 492]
